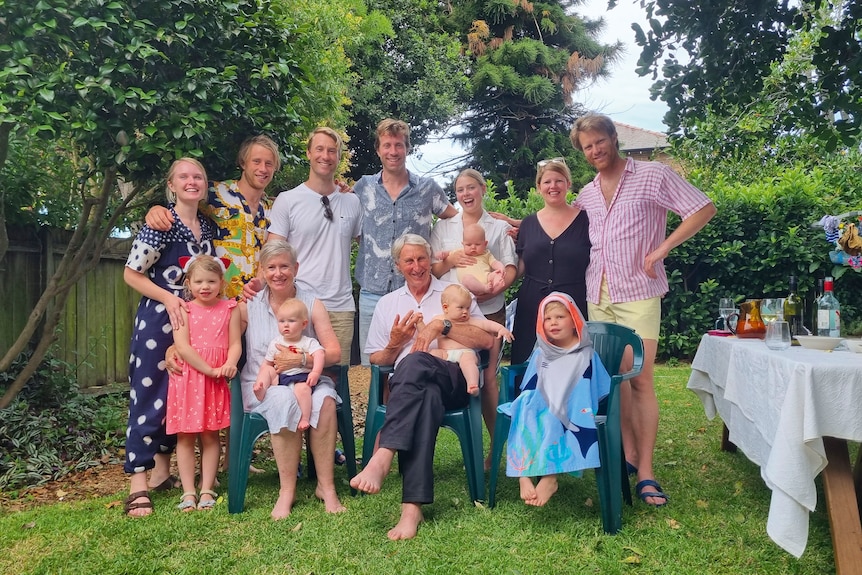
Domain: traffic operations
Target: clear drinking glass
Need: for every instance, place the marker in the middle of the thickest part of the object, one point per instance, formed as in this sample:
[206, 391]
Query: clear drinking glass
[772, 309]
[725, 308]
[777, 335]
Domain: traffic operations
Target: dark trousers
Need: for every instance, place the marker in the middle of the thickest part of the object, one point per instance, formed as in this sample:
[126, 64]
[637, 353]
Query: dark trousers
[421, 390]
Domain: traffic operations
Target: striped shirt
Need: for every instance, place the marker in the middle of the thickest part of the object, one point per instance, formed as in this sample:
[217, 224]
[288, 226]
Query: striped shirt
[632, 226]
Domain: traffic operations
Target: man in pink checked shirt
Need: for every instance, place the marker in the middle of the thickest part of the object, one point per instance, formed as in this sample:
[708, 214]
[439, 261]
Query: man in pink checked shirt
[627, 204]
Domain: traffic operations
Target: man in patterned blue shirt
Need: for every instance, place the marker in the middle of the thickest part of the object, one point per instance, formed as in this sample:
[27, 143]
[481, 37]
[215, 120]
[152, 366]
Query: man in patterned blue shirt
[394, 202]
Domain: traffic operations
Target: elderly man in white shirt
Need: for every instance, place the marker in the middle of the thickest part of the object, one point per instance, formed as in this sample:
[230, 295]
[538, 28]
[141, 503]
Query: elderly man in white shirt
[422, 388]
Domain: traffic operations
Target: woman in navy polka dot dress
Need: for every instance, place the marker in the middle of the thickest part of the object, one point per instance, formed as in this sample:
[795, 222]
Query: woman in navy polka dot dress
[153, 269]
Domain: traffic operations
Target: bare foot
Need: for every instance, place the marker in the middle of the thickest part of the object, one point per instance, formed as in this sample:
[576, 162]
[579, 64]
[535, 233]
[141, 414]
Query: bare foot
[411, 517]
[253, 469]
[283, 505]
[528, 490]
[303, 424]
[330, 500]
[370, 479]
[546, 487]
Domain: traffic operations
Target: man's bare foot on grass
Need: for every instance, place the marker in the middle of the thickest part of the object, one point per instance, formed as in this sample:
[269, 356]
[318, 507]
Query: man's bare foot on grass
[330, 500]
[283, 505]
[411, 517]
[546, 487]
[253, 469]
[528, 490]
[370, 479]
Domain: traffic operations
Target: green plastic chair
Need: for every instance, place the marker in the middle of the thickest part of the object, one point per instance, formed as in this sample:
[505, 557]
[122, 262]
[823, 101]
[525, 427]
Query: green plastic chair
[609, 341]
[247, 428]
[466, 422]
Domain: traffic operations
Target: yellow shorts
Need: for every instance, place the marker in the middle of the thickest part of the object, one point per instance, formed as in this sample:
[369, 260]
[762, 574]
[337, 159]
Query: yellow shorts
[643, 316]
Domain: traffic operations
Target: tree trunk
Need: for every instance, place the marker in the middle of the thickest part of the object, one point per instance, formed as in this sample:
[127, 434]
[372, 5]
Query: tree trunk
[82, 255]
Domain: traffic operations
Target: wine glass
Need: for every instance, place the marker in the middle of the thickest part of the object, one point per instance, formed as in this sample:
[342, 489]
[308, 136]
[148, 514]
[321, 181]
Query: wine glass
[772, 309]
[725, 308]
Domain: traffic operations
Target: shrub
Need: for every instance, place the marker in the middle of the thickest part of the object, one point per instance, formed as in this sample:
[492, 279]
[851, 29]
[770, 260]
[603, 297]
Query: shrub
[51, 428]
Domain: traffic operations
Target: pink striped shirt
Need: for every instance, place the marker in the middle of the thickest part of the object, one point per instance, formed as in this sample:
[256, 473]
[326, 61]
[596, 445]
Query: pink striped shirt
[634, 225]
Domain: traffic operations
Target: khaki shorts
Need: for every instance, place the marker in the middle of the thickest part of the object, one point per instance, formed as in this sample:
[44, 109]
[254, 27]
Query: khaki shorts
[342, 324]
[643, 316]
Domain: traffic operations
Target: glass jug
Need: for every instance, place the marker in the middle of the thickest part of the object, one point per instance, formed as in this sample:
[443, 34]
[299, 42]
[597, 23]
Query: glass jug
[747, 323]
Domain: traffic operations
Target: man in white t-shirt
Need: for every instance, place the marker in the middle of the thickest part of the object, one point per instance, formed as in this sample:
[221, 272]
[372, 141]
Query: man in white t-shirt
[321, 225]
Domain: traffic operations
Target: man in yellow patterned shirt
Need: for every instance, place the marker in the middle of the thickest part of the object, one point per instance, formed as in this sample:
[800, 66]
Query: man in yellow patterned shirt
[240, 209]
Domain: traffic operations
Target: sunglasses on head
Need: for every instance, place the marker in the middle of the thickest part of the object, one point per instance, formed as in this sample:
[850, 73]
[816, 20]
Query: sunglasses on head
[543, 163]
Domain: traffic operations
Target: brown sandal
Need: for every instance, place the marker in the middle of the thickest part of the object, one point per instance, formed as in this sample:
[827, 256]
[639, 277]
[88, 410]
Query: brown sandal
[130, 505]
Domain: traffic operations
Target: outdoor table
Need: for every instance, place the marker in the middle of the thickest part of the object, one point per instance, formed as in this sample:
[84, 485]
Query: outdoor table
[791, 412]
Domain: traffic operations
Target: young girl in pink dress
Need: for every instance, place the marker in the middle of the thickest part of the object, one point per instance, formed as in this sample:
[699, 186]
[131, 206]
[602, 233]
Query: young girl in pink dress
[199, 399]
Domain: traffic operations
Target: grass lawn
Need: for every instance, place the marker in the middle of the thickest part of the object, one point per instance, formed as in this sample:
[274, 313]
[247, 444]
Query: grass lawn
[715, 523]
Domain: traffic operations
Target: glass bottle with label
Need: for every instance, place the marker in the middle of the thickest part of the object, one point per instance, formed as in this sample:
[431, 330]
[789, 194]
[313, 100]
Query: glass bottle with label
[793, 309]
[818, 293]
[828, 312]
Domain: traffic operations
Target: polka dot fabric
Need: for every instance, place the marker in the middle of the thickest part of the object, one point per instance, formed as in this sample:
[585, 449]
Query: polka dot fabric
[155, 254]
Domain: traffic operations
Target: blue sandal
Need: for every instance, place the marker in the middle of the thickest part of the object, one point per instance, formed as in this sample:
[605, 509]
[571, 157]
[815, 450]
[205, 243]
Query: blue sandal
[657, 493]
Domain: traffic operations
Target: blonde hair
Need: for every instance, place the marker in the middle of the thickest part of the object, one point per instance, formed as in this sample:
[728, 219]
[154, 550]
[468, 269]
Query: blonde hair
[259, 140]
[293, 305]
[473, 175]
[476, 229]
[392, 127]
[592, 123]
[556, 304]
[202, 263]
[273, 248]
[558, 166]
[327, 132]
[171, 195]
[455, 292]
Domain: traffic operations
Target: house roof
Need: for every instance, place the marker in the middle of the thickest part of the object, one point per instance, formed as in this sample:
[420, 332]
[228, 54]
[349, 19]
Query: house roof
[634, 139]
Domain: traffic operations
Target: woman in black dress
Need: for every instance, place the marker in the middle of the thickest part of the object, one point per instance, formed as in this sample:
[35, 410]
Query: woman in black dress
[553, 249]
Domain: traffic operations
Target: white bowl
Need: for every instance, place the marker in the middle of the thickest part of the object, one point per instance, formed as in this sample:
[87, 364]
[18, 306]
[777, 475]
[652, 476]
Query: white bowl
[854, 345]
[818, 342]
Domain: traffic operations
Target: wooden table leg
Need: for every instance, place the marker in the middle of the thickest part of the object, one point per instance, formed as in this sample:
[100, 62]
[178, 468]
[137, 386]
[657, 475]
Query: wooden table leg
[842, 506]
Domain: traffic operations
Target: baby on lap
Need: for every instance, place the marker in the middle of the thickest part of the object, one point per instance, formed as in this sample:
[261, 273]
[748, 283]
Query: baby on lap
[456, 302]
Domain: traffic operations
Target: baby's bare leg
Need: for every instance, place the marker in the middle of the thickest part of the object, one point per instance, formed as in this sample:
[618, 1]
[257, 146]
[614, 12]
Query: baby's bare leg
[302, 391]
[470, 368]
[475, 286]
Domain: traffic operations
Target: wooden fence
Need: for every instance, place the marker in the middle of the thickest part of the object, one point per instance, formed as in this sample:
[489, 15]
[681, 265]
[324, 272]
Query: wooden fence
[96, 325]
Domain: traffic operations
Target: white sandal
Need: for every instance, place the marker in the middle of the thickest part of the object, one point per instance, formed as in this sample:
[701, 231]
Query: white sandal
[187, 504]
[209, 503]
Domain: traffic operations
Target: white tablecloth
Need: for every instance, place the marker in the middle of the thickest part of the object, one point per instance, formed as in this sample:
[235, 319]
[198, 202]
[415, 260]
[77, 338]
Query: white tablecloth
[778, 406]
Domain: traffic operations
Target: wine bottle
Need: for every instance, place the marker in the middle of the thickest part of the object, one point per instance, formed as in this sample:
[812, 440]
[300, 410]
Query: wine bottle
[818, 293]
[828, 312]
[793, 309]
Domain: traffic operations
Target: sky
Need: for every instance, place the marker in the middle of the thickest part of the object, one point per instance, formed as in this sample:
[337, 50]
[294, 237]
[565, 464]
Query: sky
[624, 96]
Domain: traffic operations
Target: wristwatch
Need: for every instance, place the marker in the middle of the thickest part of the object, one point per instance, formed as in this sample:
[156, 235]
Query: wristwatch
[447, 325]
